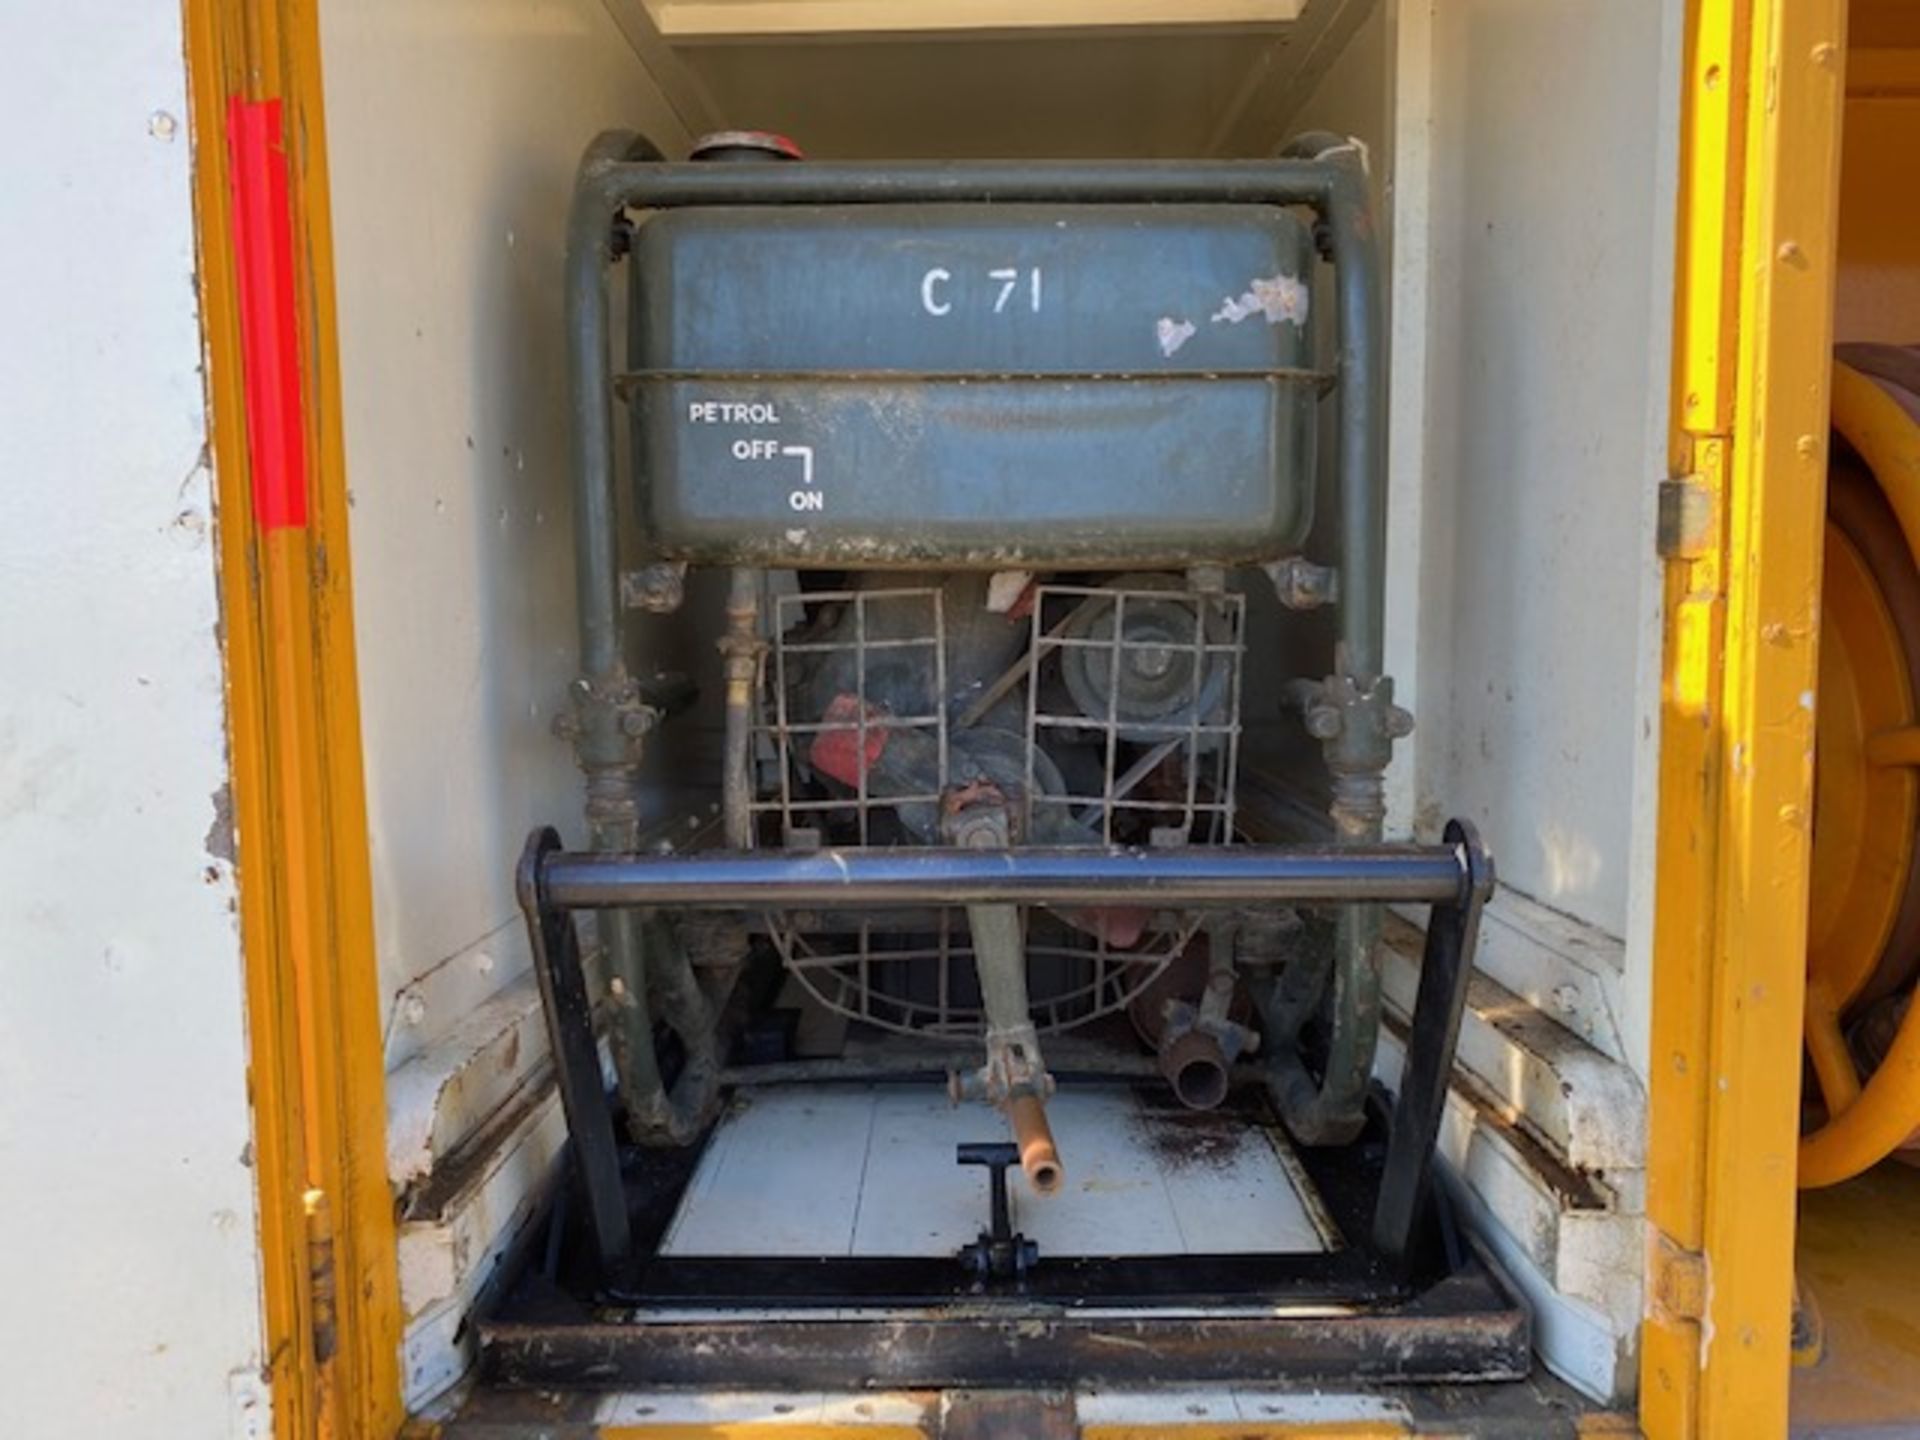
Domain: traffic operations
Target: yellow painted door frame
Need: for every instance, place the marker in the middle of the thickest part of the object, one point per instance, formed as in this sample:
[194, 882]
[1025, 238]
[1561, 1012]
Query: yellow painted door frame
[1752, 321]
[330, 1291]
[1743, 522]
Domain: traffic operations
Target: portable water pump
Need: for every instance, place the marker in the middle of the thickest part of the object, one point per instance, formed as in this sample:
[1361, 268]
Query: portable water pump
[1012, 470]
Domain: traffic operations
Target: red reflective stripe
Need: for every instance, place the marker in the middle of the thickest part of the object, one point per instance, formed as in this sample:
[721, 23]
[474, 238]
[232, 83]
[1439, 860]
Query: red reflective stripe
[269, 325]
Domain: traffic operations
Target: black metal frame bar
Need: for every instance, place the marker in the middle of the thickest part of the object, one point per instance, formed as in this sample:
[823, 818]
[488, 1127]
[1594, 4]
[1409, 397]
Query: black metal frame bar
[1455, 878]
[1464, 1328]
[911, 876]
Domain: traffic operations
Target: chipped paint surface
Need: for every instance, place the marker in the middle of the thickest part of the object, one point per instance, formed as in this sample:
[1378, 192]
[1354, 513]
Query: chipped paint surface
[125, 1134]
[1281, 297]
[1172, 334]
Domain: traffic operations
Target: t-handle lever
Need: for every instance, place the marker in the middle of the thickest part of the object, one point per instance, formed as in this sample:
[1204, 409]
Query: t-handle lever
[998, 1254]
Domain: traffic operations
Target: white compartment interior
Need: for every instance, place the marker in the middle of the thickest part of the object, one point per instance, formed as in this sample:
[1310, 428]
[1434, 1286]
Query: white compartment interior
[1523, 155]
[810, 1170]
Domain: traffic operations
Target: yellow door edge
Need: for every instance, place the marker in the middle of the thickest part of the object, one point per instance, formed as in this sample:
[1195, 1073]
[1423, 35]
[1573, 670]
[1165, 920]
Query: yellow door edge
[1752, 328]
[330, 1290]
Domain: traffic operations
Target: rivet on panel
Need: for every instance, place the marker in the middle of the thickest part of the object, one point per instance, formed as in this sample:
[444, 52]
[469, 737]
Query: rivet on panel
[1826, 54]
[162, 126]
[1807, 446]
[1712, 78]
[1790, 253]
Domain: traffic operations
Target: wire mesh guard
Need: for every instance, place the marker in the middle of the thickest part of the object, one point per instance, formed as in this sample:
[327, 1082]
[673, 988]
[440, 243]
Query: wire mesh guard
[1116, 723]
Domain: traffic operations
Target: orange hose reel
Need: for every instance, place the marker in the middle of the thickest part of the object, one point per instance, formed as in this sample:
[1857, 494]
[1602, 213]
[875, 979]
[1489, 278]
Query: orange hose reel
[1863, 933]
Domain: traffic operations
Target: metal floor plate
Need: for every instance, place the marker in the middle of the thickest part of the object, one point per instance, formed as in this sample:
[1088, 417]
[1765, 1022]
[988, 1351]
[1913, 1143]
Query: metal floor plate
[811, 1170]
[1536, 1409]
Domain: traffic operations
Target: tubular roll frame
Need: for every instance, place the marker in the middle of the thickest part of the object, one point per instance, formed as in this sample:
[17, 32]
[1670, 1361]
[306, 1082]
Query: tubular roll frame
[1454, 878]
[1195, 877]
[621, 171]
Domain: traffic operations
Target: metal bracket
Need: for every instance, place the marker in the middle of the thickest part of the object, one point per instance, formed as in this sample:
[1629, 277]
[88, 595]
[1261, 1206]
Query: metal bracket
[1302, 585]
[658, 589]
[1676, 1279]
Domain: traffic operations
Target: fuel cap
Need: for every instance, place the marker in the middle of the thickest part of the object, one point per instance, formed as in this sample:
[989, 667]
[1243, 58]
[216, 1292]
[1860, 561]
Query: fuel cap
[744, 145]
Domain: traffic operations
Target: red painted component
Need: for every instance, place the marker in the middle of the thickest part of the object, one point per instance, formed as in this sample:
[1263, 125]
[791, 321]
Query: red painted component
[269, 317]
[837, 752]
[745, 144]
[1121, 926]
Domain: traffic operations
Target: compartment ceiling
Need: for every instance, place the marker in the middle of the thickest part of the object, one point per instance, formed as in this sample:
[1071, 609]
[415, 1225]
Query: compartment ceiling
[735, 19]
[1011, 78]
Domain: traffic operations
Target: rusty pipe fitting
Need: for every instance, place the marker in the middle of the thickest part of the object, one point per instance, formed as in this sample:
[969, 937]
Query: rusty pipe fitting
[1197, 1069]
[1198, 1018]
[743, 649]
[1034, 1136]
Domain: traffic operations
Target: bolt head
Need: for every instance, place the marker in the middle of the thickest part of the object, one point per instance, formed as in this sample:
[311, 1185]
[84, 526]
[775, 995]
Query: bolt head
[1323, 722]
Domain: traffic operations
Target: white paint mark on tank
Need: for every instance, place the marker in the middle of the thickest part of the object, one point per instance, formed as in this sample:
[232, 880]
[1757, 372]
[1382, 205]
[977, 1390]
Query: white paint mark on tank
[1280, 298]
[1173, 333]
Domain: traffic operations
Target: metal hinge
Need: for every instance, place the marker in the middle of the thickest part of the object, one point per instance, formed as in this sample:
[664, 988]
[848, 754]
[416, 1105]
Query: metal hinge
[1676, 1279]
[1690, 503]
[1686, 517]
[322, 1314]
